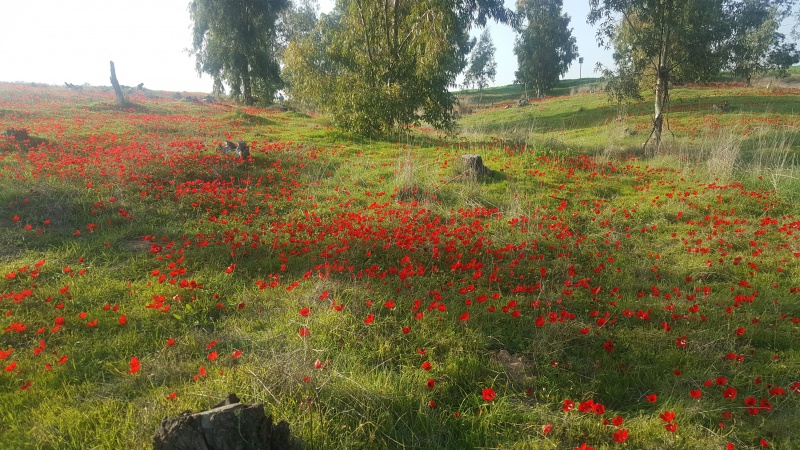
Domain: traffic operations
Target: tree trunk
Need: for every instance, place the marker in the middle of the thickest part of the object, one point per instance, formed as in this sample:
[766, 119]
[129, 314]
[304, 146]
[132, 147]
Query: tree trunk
[246, 90]
[115, 84]
[662, 93]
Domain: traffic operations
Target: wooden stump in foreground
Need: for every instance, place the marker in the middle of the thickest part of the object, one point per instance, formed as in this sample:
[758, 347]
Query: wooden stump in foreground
[230, 425]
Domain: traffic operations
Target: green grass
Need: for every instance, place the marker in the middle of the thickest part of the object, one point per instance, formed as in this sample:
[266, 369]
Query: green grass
[577, 243]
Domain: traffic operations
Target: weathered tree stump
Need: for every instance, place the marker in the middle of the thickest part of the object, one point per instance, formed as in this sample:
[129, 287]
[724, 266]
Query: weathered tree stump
[230, 425]
[18, 135]
[228, 147]
[243, 149]
[473, 165]
[240, 149]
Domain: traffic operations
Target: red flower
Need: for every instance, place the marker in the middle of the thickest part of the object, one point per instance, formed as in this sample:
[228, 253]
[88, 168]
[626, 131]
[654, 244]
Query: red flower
[671, 427]
[426, 366]
[369, 319]
[212, 356]
[305, 312]
[431, 383]
[695, 393]
[6, 353]
[620, 435]
[488, 394]
[667, 416]
[568, 405]
[729, 393]
[200, 374]
[547, 428]
[651, 398]
[135, 366]
[303, 332]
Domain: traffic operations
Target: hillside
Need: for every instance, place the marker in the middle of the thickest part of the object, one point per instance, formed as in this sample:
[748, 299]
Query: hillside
[584, 294]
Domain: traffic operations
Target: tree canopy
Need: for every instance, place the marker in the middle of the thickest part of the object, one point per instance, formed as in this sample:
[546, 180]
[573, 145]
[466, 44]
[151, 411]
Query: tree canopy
[376, 65]
[545, 47]
[665, 41]
[234, 42]
[671, 41]
[482, 66]
[756, 46]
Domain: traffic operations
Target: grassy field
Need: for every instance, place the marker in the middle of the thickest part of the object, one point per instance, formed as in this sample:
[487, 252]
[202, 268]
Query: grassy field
[585, 294]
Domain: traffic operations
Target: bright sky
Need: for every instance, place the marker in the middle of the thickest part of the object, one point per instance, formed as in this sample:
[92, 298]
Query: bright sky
[57, 41]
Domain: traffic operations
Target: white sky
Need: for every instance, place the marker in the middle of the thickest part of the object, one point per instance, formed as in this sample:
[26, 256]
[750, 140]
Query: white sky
[57, 41]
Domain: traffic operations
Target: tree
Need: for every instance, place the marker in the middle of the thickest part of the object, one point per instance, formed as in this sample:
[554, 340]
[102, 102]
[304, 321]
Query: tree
[545, 47]
[756, 45]
[665, 41]
[296, 22]
[234, 42]
[374, 65]
[482, 66]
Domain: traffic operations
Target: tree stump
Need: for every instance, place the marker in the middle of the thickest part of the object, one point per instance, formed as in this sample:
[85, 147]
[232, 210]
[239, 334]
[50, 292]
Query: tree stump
[230, 425]
[228, 147]
[473, 165]
[18, 135]
[243, 150]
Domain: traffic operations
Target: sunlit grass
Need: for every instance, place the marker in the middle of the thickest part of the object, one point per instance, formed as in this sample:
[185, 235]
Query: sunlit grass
[573, 271]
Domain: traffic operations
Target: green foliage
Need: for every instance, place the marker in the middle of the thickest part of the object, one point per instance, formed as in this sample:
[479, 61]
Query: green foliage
[664, 42]
[622, 82]
[377, 65]
[756, 46]
[295, 22]
[545, 48]
[234, 42]
[482, 66]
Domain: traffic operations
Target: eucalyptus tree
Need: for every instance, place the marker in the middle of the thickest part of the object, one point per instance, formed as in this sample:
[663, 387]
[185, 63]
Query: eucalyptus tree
[234, 41]
[545, 47]
[374, 65]
[665, 41]
[756, 44]
[482, 65]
